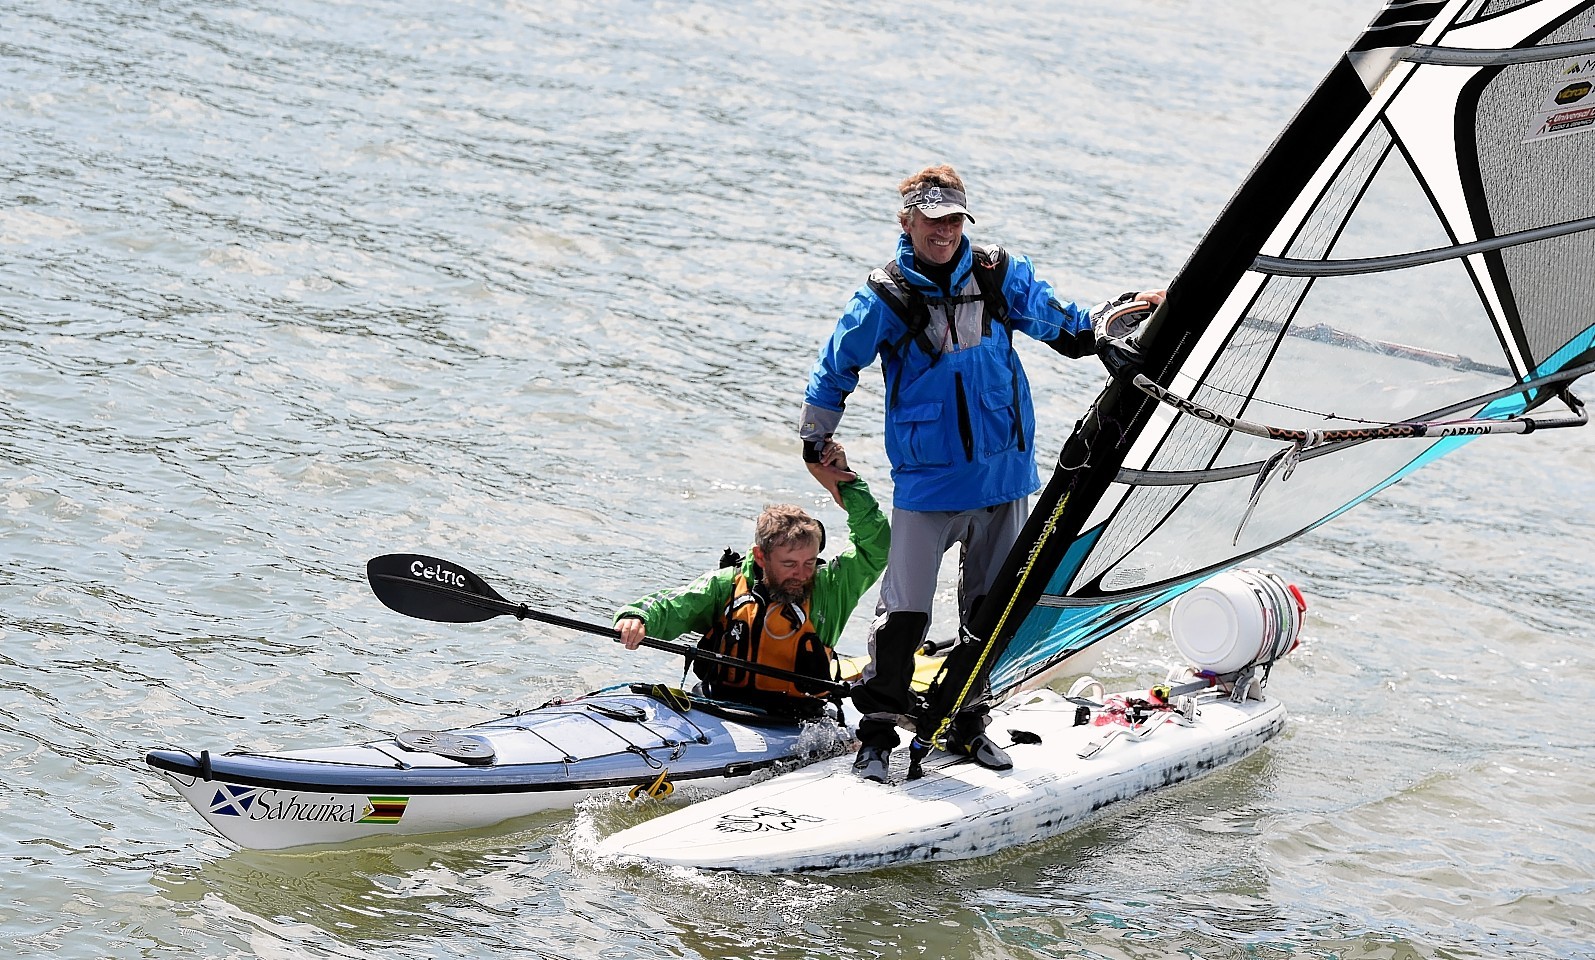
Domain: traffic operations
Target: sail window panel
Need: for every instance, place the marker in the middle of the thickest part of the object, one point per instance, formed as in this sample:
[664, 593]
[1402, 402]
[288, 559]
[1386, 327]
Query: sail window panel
[1050, 631]
[1378, 205]
[1374, 206]
[1200, 535]
[1313, 354]
[1380, 348]
[1231, 378]
[1190, 443]
[1353, 351]
[1189, 539]
[1140, 513]
[1162, 533]
[1318, 231]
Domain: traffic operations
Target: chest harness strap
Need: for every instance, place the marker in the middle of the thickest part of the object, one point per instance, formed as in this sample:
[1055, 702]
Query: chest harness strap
[912, 307]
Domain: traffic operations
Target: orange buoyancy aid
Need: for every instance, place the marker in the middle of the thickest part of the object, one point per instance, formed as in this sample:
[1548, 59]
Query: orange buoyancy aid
[751, 628]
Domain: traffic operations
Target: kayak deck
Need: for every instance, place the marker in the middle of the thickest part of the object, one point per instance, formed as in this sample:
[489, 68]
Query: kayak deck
[643, 740]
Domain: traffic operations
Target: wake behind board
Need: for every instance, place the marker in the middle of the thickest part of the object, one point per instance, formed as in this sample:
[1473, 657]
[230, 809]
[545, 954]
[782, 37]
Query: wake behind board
[826, 818]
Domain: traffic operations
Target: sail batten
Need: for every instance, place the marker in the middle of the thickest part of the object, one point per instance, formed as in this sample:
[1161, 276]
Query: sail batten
[1292, 267]
[1476, 57]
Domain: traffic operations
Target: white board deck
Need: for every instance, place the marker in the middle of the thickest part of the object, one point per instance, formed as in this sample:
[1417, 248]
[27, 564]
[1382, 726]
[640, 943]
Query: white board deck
[826, 818]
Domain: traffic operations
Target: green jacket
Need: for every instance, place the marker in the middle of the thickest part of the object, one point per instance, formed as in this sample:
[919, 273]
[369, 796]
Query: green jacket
[838, 584]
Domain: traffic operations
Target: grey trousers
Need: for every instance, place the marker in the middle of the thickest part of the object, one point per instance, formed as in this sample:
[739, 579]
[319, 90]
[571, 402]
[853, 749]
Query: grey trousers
[919, 541]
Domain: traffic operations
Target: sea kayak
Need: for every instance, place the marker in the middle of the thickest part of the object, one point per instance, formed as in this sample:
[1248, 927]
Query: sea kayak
[643, 740]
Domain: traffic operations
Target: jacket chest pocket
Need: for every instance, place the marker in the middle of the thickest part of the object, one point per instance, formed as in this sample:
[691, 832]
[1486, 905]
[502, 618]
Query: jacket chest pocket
[999, 425]
[919, 436]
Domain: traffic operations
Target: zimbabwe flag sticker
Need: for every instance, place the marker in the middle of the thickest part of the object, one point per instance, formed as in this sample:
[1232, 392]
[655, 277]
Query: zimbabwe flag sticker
[384, 809]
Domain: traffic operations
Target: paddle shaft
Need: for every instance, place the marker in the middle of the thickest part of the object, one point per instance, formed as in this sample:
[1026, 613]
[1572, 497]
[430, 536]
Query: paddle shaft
[520, 611]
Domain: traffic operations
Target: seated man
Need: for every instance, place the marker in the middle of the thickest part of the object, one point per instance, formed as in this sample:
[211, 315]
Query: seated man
[782, 607]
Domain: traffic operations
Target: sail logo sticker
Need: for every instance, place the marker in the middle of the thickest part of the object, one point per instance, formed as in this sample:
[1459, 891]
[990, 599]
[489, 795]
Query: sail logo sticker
[1573, 93]
[1561, 123]
[759, 819]
[1554, 118]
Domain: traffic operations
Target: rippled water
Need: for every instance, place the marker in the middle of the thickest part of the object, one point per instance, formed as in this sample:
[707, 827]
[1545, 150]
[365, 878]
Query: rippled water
[535, 287]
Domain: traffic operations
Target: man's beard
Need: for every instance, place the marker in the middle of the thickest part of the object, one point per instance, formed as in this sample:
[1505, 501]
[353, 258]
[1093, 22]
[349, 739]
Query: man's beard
[792, 591]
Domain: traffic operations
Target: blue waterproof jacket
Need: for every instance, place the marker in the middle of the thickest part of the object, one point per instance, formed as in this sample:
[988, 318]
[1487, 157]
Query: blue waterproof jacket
[960, 427]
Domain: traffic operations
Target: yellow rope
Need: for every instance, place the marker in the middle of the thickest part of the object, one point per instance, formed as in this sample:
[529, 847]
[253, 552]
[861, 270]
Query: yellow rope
[1013, 599]
[660, 788]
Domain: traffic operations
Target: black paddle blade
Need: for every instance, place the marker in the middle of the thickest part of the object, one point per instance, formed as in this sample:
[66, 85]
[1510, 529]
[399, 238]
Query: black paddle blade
[431, 589]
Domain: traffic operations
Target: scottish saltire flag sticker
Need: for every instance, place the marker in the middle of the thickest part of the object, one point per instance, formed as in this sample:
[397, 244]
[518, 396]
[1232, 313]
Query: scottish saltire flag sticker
[233, 801]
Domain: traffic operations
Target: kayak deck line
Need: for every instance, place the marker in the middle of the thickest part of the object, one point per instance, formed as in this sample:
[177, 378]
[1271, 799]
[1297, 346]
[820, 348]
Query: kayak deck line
[202, 768]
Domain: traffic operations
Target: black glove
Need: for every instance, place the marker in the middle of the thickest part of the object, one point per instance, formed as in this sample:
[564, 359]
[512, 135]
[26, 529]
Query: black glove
[1117, 324]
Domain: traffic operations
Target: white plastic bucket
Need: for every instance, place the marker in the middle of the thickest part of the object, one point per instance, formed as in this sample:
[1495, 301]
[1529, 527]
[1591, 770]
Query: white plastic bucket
[1236, 619]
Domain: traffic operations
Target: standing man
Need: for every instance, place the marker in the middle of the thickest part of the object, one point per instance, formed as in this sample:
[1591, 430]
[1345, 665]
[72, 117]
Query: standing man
[781, 607]
[959, 431]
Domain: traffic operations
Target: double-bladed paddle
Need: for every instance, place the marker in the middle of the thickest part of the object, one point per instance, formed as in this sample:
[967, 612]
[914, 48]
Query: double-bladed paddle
[431, 589]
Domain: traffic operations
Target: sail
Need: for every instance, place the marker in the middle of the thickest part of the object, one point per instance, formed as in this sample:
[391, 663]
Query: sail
[1415, 248]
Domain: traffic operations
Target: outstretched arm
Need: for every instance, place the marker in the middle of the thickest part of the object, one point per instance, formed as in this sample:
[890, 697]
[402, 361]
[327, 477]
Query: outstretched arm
[853, 346]
[1065, 327]
[852, 572]
[831, 469]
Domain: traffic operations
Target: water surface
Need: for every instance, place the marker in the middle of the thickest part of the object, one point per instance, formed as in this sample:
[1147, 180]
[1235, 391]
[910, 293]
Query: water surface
[535, 287]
